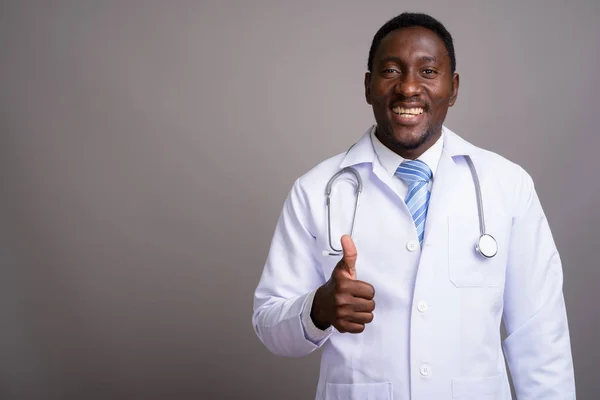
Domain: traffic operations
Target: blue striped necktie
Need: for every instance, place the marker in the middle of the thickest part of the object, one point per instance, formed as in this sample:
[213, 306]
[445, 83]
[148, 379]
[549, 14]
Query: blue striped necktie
[416, 174]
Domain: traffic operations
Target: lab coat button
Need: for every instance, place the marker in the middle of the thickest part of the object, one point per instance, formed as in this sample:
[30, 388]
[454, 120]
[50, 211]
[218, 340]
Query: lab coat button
[425, 370]
[412, 245]
[422, 306]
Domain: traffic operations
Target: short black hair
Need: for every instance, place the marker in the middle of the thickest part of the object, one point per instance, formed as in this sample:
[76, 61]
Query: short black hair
[407, 20]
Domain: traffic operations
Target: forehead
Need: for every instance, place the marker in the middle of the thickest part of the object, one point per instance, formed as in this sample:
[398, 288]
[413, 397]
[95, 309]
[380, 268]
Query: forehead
[412, 43]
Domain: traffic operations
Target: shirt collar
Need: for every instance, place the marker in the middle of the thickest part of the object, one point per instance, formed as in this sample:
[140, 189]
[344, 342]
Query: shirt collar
[391, 161]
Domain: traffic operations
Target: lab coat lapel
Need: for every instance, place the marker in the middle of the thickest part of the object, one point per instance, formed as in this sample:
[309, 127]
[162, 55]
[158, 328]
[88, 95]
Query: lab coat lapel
[445, 192]
[362, 152]
[440, 202]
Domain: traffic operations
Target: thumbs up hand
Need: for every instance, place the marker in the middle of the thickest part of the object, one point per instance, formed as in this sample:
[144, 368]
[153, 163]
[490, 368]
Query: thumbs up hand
[343, 301]
[348, 262]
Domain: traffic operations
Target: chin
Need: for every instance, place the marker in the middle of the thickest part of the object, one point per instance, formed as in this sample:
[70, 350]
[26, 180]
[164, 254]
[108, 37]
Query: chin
[409, 140]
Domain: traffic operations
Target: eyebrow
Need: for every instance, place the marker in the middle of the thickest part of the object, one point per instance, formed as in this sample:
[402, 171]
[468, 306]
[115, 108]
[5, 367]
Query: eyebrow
[427, 59]
[430, 59]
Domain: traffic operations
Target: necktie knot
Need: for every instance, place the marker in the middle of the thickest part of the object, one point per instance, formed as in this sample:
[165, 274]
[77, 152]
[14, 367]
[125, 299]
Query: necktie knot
[413, 171]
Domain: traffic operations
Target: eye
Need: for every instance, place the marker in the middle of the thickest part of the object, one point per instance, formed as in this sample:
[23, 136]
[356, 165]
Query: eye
[390, 72]
[429, 72]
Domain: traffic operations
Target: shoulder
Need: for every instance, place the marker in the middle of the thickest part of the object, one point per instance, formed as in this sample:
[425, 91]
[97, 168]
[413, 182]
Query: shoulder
[498, 166]
[359, 156]
[504, 177]
[492, 163]
[317, 177]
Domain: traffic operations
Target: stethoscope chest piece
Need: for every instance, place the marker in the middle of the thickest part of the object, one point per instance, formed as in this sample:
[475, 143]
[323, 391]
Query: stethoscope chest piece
[487, 246]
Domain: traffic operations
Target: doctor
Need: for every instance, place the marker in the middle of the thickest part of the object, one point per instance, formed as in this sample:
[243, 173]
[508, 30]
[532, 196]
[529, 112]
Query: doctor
[408, 309]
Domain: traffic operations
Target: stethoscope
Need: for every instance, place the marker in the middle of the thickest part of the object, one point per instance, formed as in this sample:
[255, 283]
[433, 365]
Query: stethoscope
[486, 244]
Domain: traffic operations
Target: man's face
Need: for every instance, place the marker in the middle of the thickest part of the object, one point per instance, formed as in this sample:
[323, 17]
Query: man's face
[410, 88]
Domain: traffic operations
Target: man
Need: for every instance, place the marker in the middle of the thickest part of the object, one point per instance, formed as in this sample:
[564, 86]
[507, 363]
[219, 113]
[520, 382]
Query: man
[412, 306]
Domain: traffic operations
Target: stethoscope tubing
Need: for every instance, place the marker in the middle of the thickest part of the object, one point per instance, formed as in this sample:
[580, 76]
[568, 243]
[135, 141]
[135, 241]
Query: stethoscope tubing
[328, 193]
[486, 244]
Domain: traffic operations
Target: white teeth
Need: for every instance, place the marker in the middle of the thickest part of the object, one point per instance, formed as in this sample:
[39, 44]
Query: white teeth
[408, 111]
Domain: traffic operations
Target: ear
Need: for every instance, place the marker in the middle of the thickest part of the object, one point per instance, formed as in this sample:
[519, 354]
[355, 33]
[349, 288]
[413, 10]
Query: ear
[368, 87]
[454, 95]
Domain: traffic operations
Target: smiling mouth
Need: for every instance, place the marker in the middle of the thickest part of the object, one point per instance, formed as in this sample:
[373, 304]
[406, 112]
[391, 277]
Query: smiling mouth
[408, 112]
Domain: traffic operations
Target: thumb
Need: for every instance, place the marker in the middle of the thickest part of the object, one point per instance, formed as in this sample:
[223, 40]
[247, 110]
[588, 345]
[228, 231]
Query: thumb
[350, 255]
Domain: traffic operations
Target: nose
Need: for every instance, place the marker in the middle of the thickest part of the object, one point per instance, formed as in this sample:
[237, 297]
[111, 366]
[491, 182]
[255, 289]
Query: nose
[408, 85]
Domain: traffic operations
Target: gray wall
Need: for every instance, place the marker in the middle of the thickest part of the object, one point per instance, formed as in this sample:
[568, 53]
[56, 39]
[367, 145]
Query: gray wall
[146, 149]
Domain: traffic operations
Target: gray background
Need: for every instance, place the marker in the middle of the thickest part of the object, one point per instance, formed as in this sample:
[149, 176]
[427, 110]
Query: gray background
[146, 149]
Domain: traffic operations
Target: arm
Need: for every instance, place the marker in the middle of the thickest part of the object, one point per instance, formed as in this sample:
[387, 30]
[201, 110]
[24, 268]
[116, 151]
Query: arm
[283, 298]
[537, 348]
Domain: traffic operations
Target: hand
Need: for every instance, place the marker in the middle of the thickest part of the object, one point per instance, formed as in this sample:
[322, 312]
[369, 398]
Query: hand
[343, 301]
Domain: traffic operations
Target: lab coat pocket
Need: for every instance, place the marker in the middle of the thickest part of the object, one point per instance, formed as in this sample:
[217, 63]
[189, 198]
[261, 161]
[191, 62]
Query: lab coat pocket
[468, 268]
[488, 388]
[359, 391]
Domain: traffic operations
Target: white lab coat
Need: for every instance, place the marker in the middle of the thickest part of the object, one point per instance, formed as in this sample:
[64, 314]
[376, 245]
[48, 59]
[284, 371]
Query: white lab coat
[436, 328]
